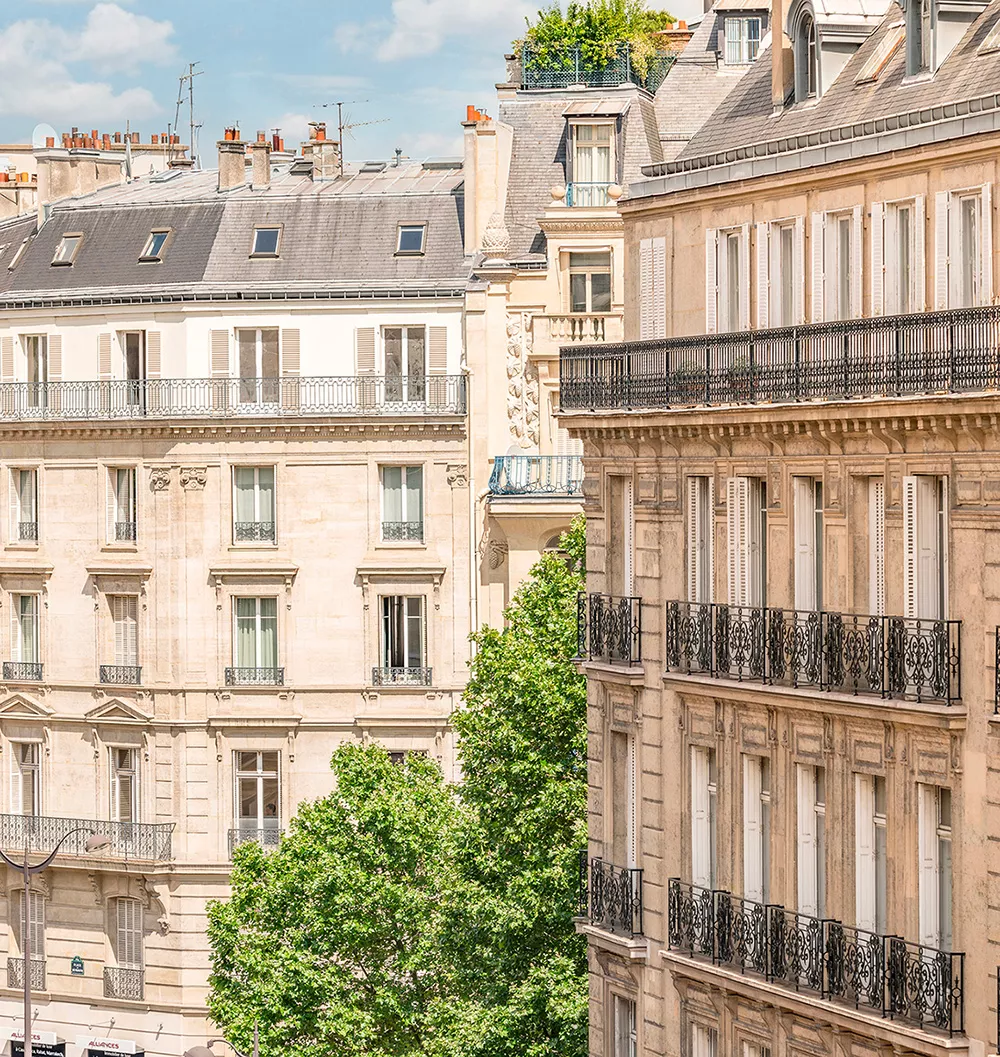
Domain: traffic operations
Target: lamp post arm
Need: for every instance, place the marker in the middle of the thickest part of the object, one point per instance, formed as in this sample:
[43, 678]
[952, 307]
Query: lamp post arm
[47, 862]
[10, 862]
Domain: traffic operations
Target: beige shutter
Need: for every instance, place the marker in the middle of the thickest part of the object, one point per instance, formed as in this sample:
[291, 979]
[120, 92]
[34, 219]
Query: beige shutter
[104, 357]
[798, 271]
[941, 285]
[15, 628]
[804, 502]
[910, 545]
[16, 783]
[701, 819]
[738, 524]
[927, 857]
[54, 344]
[124, 613]
[820, 255]
[694, 537]
[153, 365]
[129, 933]
[219, 359]
[876, 543]
[753, 863]
[437, 365]
[291, 365]
[878, 259]
[659, 320]
[857, 237]
[806, 849]
[364, 364]
[645, 289]
[744, 277]
[711, 281]
[628, 536]
[918, 255]
[763, 277]
[111, 503]
[13, 483]
[986, 238]
[864, 852]
[7, 358]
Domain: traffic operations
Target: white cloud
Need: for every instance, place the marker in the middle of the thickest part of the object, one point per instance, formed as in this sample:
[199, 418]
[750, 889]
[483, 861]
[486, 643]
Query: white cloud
[420, 27]
[433, 145]
[116, 39]
[294, 129]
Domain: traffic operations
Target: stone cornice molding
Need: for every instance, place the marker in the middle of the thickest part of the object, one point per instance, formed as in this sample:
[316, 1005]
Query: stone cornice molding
[570, 225]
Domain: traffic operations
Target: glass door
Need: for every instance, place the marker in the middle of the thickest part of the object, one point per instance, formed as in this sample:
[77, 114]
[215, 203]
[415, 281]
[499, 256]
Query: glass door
[405, 365]
[258, 352]
[36, 348]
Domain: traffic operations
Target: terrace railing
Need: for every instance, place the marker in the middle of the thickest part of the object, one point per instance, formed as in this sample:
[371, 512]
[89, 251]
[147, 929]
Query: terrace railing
[148, 841]
[609, 628]
[519, 475]
[611, 896]
[560, 68]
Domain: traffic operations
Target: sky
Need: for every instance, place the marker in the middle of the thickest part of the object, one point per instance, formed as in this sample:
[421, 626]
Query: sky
[411, 65]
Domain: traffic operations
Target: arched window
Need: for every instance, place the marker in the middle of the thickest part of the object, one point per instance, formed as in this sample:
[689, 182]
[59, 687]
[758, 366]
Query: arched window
[806, 59]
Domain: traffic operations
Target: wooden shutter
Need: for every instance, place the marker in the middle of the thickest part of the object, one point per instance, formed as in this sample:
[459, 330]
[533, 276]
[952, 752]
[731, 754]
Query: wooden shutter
[918, 255]
[129, 933]
[437, 365]
[744, 277]
[111, 502]
[104, 357]
[864, 851]
[37, 905]
[701, 835]
[820, 256]
[910, 546]
[290, 367]
[922, 557]
[941, 225]
[857, 237]
[753, 863]
[695, 535]
[218, 345]
[54, 352]
[804, 502]
[16, 784]
[7, 358]
[153, 365]
[14, 504]
[799, 271]
[645, 289]
[628, 535]
[806, 843]
[659, 320]
[986, 239]
[364, 363]
[927, 858]
[876, 543]
[124, 612]
[632, 777]
[711, 281]
[763, 277]
[738, 523]
[878, 259]
[15, 628]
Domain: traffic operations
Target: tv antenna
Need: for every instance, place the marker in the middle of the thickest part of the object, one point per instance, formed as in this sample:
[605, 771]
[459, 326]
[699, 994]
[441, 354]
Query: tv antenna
[350, 125]
[188, 78]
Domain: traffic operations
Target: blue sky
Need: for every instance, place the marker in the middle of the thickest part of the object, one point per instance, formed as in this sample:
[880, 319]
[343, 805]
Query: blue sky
[416, 62]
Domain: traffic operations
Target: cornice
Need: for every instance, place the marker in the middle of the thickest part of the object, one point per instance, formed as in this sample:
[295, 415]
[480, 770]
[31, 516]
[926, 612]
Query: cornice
[569, 225]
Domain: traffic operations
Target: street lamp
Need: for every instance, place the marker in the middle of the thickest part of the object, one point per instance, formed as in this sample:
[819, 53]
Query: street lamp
[206, 1051]
[95, 842]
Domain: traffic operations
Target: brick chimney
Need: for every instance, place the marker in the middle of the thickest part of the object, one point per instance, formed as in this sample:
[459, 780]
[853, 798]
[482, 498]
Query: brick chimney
[232, 160]
[260, 167]
[325, 153]
[781, 55]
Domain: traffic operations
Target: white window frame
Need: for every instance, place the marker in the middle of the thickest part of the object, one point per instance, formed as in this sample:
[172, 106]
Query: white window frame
[727, 257]
[704, 1041]
[701, 538]
[742, 46]
[68, 248]
[870, 825]
[18, 618]
[36, 355]
[156, 245]
[704, 800]
[963, 275]
[588, 271]
[412, 500]
[893, 293]
[925, 546]
[405, 381]
[122, 503]
[259, 632]
[388, 635]
[260, 389]
[129, 932]
[781, 290]
[807, 501]
[117, 774]
[257, 501]
[836, 269]
[624, 1022]
[746, 518]
[259, 774]
[589, 194]
[276, 252]
[23, 772]
[756, 828]
[811, 842]
[18, 506]
[935, 878]
[407, 228]
[125, 629]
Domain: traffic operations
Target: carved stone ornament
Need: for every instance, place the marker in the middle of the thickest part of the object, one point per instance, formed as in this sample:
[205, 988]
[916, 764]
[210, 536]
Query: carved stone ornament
[498, 553]
[458, 475]
[193, 478]
[496, 238]
[159, 478]
[522, 382]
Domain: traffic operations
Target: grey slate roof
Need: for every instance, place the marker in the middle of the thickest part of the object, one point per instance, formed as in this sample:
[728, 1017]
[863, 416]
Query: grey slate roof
[336, 237]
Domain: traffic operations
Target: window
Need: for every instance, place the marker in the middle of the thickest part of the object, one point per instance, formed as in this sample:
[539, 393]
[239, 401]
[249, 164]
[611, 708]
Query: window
[410, 239]
[992, 41]
[742, 40]
[920, 25]
[128, 932]
[403, 633]
[808, 500]
[590, 282]
[781, 273]
[898, 256]
[746, 517]
[155, 245]
[253, 504]
[728, 296]
[811, 845]
[704, 1041]
[625, 1027]
[704, 791]
[593, 165]
[969, 272]
[963, 254]
[258, 804]
[925, 550]
[756, 828]
[121, 506]
[256, 644]
[836, 265]
[24, 629]
[870, 852]
[23, 506]
[621, 530]
[700, 533]
[756, 1049]
[124, 616]
[25, 778]
[265, 242]
[405, 352]
[400, 756]
[624, 851]
[124, 785]
[36, 354]
[402, 503]
[879, 58]
[133, 346]
[66, 251]
[935, 866]
[876, 546]
[258, 352]
[806, 59]
[18, 253]
[36, 907]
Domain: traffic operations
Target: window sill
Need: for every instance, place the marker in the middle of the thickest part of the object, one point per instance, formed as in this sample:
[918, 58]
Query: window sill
[254, 545]
[264, 256]
[402, 545]
[125, 547]
[22, 545]
[917, 78]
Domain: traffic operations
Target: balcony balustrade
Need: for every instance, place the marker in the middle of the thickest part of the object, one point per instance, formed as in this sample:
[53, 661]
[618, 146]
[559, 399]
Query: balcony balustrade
[921, 354]
[403, 531]
[255, 677]
[286, 397]
[588, 195]
[611, 896]
[15, 974]
[267, 838]
[27, 531]
[402, 676]
[121, 674]
[521, 475]
[887, 656]
[149, 841]
[124, 983]
[580, 327]
[22, 672]
[608, 628]
[125, 531]
[885, 974]
[253, 531]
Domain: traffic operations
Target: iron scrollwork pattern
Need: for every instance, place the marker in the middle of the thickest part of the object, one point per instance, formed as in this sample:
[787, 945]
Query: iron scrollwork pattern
[609, 628]
[124, 983]
[128, 840]
[611, 896]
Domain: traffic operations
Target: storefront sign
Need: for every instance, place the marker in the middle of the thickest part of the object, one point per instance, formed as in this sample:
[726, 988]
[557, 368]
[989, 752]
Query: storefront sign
[44, 1038]
[96, 1045]
[39, 1049]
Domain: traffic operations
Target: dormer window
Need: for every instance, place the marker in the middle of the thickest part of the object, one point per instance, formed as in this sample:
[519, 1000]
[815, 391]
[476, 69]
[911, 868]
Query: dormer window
[593, 164]
[806, 59]
[920, 24]
[410, 240]
[742, 40]
[68, 248]
[265, 242]
[155, 245]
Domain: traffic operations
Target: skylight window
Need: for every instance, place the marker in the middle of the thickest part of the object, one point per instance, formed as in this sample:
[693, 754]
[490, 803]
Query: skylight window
[68, 248]
[880, 56]
[265, 242]
[411, 238]
[155, 245]
[18, 254]
[992, 41]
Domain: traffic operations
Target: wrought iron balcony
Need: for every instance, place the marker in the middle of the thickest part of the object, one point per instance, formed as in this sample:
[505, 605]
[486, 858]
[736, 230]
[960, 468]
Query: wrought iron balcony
[127, 984]
[22, 672]
[253, 531]
[866, 970]
[922, 354]
[125, 531]
[608, 628]
[397, 531]
[27, 531]
[888, 656]
[286, 397]
[255, 677]
[611, 896]
[266, 838]
[121, 674]
[561, 67]
[129, 840]
[402, 676]
[15, 974]
[518, 475]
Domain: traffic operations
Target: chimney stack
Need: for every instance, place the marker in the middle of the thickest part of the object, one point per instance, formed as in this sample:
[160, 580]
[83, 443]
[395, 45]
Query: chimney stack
[781, 56]
[325, 153]
[232, 160]
[260, 163]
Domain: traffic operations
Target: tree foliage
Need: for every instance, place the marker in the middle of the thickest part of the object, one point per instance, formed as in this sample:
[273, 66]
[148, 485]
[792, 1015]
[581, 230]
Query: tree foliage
[401, 917]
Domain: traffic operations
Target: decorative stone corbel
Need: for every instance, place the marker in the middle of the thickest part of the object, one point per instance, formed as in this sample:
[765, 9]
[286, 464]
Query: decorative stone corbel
[97, 888]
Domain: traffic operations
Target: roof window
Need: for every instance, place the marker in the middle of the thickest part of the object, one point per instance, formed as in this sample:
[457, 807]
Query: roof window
[68, 248]
[992, 41]
[411, 239]
[742, 37]
[806, 59]
[880, 56]
[265, 242]
[18, 254]
[155, 245]
[921, 19]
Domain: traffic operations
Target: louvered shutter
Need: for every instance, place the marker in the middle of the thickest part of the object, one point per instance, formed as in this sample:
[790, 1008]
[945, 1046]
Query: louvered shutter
[806, 844]
[14, 505]
[878, 259]
[701, 836]
[753, 863]
[104, 369]
[711, 280]
[986, 283]
[941, 250]
[16, 783]
[15, 628]
[633, 802]
[857, 238]
[820, 267]
[923, 559]
[798, 271]
[695, 533]
[927, 857]
[290, 367]
[364, 364]
[111, 503]
[864, 852]
[805, 543]
[738, 522]
[763, 277]
[218, 346]
[129, 933]
[37, 906]
[628, 536]
[910, 555]
[645, 289]
[154, 396]
[745, 277]
[437, 365]
[876, 541]
[919, 255]
[659, 321]
[7, 358]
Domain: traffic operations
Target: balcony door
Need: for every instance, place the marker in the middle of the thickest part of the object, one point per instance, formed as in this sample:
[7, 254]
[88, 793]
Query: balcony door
[258, 808]
[258, 364]
[36, 351]
[405, 357]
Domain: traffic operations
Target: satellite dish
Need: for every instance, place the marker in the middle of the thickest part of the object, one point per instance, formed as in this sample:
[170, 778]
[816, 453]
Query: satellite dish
[41, 133]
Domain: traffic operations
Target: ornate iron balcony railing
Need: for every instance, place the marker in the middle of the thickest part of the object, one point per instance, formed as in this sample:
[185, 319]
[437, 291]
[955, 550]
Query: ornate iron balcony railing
[609, 628]
[922, 354]
[149, 841]
[255, 677]
[27, 531]
[253, 531]
[889, 656]
[15, 973]
[266, 838]
[402, 676]
[559, 68]
[395, 531]
[121, 674]
[22, 672]
[125, 531]
[286, 397]
[611, 896]
[537, 475]
[885, 974]
[124, 983]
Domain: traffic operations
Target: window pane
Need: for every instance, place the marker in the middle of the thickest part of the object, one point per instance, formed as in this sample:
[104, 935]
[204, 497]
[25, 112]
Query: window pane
[414, 494]
[268, 633]
[578, 292]
[903, 258]
[248, 799]
[844, 268]
[392, 493]
[246, 761]
[600, 292]
[265, 240]
[269, 762]
[414, 632]
[243, 482]
[247, 340]
[590, 262]
[269, 360]
[393, 341]
[265, 496]
[411, 239]
[269, 797]
[246, 632]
